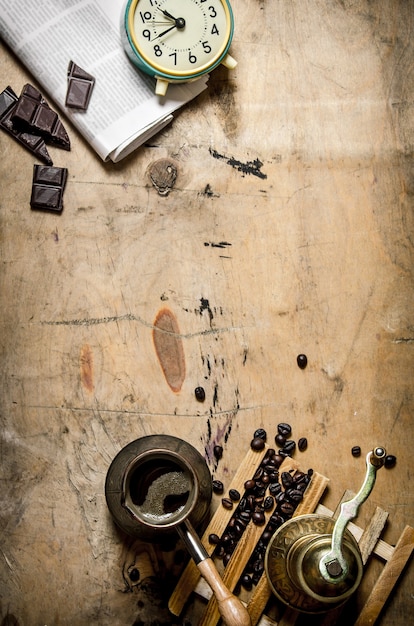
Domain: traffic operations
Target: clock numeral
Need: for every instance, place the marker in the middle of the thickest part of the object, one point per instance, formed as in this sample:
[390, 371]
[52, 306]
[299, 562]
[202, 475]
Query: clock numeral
[145, 16]
[213, 12]
[174, 55]
[206, 47]
[157, 51]
[192, 58]
[214, 30]
[146, 33]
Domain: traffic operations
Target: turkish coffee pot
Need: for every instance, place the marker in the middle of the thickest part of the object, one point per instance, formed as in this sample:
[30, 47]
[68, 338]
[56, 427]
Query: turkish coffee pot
[313, 563]
[160, 485]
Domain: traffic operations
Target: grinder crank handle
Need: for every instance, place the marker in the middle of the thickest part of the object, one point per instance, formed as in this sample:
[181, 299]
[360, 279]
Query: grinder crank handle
[232, 610]
[333, 565]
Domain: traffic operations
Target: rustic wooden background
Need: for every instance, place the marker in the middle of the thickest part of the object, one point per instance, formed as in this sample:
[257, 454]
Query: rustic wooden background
[289, 230]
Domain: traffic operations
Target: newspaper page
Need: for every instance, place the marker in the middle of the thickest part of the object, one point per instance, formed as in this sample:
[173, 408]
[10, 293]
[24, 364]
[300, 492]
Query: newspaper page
[124, 111]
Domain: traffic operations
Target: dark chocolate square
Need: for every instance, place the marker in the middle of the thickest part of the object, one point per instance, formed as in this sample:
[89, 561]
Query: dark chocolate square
[48, 187]
[80, 86]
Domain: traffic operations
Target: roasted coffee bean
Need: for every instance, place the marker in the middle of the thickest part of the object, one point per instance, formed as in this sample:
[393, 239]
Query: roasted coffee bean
[227, 503]
[258, 518]
[250, 502]
[302, 444]
[226, 558]
[260, 432]
[279, 459]
[218, 486]
[270, 452]
[268, 503]
[390, 461]
[284, 429]
[287, 480]
[310, 472]
[257, 444]
[249, 484]
[265, 480]
[356, 451]
[289, 446]
[302, 361]
[200, 394]
[258, 566]
[274, 476]
[134, 575]
[258, 473]
[218, 452]
[280, 497]
[260, 491]
[275, 488]
[219, 551]
[247, 582]
[280, 440]
[287, 508]
[214, 539]
[299, 477]
[234, 495]
[295, 495]
[302, 487]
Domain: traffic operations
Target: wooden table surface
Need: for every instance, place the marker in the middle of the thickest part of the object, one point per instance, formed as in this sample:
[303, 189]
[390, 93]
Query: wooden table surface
[289, 230]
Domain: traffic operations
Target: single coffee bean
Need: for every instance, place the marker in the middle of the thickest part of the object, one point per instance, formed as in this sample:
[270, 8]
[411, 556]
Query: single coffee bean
[246, 581]
[302, 361]
[245, 516]
[218, 486]
[295, 495]
[279, 459]
[226, 558]
[356, 451]
[258, 518]
[234, 495]
[289, 446]
[287, 508]
[299, 477]
[268, 503]
[218, 452]
[287, 480]
[390, 461]
[249, 484]
[219, 551]
[273, 477]
[275, 488]
[302, 444]
[260, 432]
[214, 539]
[227, 503]
[284, 429]
[258, 473]
[280, 440]
[310, 472]
[200, 394]
[257, 444]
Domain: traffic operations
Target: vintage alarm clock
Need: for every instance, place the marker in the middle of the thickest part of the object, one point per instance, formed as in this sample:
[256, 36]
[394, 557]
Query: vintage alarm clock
[178, 40]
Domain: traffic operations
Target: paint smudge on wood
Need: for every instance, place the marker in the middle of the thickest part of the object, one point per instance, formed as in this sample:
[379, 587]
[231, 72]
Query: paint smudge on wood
[86, 368]
[249, 167]
[169, 348]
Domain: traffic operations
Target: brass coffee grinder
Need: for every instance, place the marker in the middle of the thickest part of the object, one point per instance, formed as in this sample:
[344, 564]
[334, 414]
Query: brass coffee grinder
[312, 562]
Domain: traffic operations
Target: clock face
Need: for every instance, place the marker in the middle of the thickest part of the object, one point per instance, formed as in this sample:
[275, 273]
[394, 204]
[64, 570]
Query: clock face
[181, 37]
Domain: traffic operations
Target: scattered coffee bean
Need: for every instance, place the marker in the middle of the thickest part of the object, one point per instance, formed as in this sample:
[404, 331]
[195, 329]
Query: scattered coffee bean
[289, 446]
[302, 361]
[247, 582]
[284, 429]
[279, 459]
[258, 518]
[227, 503]
[390, 461]
[257, 444]
[234, 495]
[249, 484]
[287, 508]
[356, 451]
[214, 539]
[218, 486]
[287, 480]
[260, 432]
[280, 440]
[218, 452]
[302, 444]
[268, 503]
[200, 394]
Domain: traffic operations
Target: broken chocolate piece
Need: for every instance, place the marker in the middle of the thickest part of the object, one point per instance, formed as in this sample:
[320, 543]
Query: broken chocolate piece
[48, 187]
[80, 87]
[34, 115]
[34, 143]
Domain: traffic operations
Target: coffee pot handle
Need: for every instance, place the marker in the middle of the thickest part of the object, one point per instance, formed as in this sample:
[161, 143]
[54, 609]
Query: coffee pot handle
[232, 610]
[333, 565]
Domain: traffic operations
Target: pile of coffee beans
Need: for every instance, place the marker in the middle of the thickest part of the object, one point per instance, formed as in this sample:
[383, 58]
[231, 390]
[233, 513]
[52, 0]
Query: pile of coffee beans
[267, 490]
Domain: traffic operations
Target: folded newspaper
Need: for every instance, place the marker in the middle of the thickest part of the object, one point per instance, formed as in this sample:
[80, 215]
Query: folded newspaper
[124, 111]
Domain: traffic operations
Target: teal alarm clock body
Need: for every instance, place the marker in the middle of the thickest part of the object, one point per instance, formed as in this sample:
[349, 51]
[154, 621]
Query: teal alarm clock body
[178, 40]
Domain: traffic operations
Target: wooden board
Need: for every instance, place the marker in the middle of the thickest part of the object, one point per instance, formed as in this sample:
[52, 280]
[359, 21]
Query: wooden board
[289, 230]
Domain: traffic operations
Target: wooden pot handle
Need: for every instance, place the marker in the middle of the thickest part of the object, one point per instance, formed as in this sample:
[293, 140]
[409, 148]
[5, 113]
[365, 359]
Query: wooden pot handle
[232, 611]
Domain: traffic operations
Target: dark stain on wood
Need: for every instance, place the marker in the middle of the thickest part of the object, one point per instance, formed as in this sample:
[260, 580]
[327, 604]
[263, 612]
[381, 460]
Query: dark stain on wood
[249, 167]
[163, 174]
[169, 348]
[86, 368]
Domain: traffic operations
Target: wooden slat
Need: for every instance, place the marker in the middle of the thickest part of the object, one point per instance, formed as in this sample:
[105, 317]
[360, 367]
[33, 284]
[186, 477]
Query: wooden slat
[387, 579]
[372, 533]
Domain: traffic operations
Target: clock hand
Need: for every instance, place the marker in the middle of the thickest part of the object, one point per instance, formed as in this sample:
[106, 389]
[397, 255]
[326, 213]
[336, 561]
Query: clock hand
[179, 21]
[164, 32]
